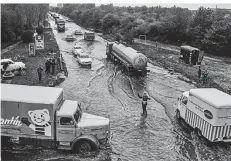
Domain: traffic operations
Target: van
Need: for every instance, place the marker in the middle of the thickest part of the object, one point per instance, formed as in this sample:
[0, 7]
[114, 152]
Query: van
[208, 112]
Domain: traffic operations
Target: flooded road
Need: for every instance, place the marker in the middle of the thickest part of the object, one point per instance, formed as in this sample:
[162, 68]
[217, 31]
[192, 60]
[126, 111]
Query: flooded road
[104, 90]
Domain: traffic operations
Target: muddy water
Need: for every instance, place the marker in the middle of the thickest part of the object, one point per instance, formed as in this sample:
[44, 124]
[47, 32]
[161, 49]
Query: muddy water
[104, 90]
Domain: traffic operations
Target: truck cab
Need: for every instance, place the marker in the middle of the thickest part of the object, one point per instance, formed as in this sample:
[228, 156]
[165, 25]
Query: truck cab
[80, 131]
[182, 105]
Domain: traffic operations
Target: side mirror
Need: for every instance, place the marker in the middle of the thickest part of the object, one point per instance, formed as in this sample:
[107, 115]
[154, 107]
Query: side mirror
[178, 98]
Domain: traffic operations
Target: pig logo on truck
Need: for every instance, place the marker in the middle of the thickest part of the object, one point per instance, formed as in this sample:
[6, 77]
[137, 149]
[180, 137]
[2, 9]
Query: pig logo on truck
[40, 122]
[208, 114]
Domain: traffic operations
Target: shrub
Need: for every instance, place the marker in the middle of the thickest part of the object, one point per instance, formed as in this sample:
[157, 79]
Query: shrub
[28, 36]
[39, 29]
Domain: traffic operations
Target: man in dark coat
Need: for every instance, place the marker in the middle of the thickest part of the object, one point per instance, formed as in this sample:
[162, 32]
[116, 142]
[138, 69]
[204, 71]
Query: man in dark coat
[48, 66]
[39, 70]
[53, 66]
[199, 72]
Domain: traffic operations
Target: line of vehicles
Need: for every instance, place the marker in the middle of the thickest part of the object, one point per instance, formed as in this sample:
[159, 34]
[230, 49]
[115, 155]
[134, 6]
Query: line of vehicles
[82, 57]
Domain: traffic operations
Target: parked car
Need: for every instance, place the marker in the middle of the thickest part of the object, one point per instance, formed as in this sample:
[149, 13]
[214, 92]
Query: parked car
[83, 59]
[69, 37]
[77, 32]
[9, 65]
[77, 49]
[69, 20]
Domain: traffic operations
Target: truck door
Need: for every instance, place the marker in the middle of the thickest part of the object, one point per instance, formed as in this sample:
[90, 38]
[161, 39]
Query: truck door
[65, 130]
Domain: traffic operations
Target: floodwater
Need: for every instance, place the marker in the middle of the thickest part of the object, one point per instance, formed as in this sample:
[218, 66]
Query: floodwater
[105, 91]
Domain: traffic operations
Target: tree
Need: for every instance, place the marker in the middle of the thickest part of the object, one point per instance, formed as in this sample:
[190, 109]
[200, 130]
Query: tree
[109, 20]
[217, 39]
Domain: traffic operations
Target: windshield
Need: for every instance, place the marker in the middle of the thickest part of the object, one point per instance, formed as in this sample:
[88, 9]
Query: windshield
[84, 56]
[90, 34]
[78, 114]
[77, 47]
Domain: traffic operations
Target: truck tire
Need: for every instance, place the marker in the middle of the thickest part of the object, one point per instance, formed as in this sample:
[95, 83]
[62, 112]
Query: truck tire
[82, 147]
[178, 115]
[5, 140]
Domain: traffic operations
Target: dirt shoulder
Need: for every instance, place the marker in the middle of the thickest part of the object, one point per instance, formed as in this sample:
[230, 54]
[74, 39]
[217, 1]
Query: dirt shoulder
[219, 68]
[32, 63]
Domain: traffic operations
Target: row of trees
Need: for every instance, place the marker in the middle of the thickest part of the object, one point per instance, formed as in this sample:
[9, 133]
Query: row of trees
[206, 29]
[16, 18]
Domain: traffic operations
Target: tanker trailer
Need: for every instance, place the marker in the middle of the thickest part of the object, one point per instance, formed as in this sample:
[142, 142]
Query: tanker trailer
[131, 60]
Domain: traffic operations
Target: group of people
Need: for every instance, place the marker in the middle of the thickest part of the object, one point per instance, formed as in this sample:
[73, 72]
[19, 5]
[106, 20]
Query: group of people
[49, 66]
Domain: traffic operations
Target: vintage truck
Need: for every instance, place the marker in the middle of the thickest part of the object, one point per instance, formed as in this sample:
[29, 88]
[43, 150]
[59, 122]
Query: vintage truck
[208, 112]
[60, 25]
[131, 60]
[89, 36]
[40, 116]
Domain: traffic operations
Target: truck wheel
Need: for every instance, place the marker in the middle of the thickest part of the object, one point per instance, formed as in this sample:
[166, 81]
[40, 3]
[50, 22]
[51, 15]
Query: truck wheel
[23, 72]
[83, 147]
[178, 115]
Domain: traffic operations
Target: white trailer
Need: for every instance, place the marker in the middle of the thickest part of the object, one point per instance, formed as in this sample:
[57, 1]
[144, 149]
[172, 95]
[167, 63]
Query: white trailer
[208, 111]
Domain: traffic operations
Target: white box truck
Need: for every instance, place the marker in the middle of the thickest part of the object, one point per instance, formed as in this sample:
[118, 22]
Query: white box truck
[40, 115]
[208, 111]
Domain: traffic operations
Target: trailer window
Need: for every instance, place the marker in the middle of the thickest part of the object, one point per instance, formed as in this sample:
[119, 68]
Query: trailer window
[66, 121]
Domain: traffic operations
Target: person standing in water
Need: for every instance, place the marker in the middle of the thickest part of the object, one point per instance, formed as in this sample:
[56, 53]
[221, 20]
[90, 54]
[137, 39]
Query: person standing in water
[145, 99]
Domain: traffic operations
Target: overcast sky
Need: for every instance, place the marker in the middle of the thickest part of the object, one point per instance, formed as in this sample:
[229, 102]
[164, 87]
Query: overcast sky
[189, 6]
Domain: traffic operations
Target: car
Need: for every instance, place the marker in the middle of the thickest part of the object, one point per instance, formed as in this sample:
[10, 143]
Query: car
[77, 49]
[9, 65]
[83, 59]
[69, 20]
[69, 37]
[77, 32]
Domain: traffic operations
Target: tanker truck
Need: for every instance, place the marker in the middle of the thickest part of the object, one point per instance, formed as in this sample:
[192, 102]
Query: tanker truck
[35, 115]
[131, 60]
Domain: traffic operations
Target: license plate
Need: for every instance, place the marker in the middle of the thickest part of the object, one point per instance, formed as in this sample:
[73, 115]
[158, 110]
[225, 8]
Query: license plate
[64, 143]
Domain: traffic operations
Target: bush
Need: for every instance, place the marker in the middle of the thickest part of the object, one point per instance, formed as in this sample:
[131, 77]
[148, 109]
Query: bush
[28, 36]
[39, 29]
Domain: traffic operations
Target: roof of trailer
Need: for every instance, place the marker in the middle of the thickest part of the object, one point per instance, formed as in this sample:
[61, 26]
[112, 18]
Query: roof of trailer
[213, 96]
[187, 47]
[29, 94]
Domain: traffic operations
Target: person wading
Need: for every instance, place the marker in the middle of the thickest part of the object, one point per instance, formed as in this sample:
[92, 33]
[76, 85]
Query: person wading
[145, 99]
[39, 70]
